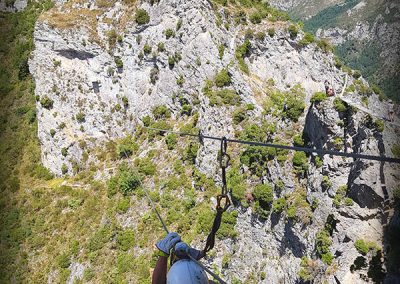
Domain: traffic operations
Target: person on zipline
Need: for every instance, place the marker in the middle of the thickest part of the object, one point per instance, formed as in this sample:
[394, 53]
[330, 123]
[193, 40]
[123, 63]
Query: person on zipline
[184, 270]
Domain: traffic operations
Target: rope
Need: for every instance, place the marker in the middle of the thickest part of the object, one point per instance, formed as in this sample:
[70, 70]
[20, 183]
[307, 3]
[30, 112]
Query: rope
[278, 146]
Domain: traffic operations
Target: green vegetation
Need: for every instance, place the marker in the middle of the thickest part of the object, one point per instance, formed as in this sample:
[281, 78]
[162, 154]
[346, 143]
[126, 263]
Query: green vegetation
[125, 240]
[339, 198]
[46, 102]
[126, 147]
[80, 117]
[263, 196]
[318, 97]
[339, 105]
[307, 39]
[161, 112]
[363, 247]
[293, 31]
[127, 181]
[241, 52]
[379, 125]
[142, 17]
[300, 161]
[169, 33]
[118, 62]
[323, 242]
[222, 78]
[147, 49]
[271, 32]
[221, 50]
[396, 150]
[222, 96]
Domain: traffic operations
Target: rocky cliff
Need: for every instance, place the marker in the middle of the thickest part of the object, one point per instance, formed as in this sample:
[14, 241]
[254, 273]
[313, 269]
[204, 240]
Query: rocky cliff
[365, 34]
[103, 69]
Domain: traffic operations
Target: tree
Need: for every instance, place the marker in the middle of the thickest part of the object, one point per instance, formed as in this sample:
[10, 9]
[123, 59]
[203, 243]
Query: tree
[142, 17]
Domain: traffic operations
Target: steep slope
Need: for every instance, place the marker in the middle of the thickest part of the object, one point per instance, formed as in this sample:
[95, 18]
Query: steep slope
[101, 73]
[364, 32]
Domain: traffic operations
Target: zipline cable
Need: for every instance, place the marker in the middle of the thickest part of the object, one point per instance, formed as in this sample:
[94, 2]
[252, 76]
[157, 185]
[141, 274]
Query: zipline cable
[278, 146]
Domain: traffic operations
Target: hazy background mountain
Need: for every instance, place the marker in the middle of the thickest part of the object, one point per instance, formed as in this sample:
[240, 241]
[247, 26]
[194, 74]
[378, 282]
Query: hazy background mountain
[365, 33]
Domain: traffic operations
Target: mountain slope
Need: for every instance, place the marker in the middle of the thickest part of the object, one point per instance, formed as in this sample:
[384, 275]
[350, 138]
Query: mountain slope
[105, 69]
[364, 32]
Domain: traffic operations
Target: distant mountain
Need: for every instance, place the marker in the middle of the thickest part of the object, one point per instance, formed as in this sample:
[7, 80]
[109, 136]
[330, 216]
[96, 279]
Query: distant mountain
[366, 34]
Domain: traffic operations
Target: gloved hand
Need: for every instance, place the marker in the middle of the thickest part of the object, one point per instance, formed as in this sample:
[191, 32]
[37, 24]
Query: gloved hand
[182, 250]
[166, 244]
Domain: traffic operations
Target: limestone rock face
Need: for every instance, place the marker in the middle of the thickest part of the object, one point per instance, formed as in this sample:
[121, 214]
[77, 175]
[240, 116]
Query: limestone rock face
[102, 76]
[16, 6]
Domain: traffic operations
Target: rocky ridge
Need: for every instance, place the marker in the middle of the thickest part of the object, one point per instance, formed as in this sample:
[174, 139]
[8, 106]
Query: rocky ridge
[364, 32]
[77, 67]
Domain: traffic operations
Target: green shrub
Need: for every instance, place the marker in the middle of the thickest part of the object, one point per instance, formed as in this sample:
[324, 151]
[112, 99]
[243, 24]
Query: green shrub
[161, 112]
[300, 161]
[128, 181]
[327, 258]
[236, 183]
[223, 97]
[298, 140]
[123, 205]
[221, 50]
[307, 39]
[142, 17]
[118, 62]
[318, 162]
[361, 246]
[147, 49]
[241, 52]
[46, 102]
[145, 166]
[256, 17]
[239, 114]
[293, 31]
[125, 240]
[125, 101]
[318, 97]
[356, 74]
[63, 260]
[80, 117]
[271, 32]
[180, 80]
[260, 36]
[64, 151]
[161, 47]
[323, 242]
[294, 108]
[326, 183]
[256, 158]
[324, 45]
[339, 105]
[263, 195]
[169, 33]
[126, 147]
[171, 140]
[64, 169]
[99, 239]
[340, 195]
[190, 154]
[379, 125]
[179, 24]
[171, 61]
[222, 78]
[279, 205]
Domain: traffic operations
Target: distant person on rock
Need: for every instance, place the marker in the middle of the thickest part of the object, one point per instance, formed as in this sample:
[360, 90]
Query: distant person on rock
[183, 270]
[329, 89]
